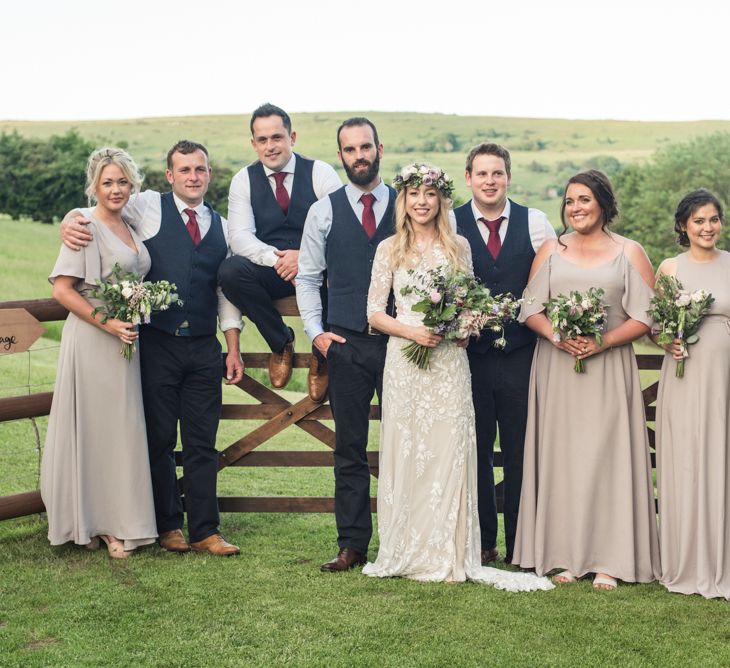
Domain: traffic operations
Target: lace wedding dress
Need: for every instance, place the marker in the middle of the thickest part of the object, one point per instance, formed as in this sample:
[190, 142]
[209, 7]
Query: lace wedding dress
[427, 506]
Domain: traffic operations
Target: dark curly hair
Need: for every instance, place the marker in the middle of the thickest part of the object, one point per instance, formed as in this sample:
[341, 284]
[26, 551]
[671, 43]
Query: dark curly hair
[686, 208]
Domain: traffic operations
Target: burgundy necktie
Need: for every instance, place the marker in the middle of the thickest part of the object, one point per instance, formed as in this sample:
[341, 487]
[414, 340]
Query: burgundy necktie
[192, 226]
[368, 215]
[282, 196]
[494, 245]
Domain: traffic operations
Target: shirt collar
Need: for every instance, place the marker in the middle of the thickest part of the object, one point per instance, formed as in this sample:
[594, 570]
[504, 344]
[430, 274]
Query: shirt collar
[354, 193]
[289, 167]
[478, 214]
[181, 206]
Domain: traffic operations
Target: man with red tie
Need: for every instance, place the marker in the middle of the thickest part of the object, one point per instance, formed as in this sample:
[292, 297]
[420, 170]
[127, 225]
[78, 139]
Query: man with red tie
[180, 356]
[504, 237]
[340, 238]
[267, 205]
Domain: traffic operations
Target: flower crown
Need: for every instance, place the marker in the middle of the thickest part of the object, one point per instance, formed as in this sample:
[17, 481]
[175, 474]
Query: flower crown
[418, 173]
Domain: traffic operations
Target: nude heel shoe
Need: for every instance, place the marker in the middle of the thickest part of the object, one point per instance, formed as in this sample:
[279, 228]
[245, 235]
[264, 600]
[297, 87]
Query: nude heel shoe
[115, 547]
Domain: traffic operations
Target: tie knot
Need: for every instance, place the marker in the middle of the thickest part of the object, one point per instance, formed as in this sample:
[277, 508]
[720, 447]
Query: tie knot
[493, 225]
[191, 214]
[279, 178]
[367, 200]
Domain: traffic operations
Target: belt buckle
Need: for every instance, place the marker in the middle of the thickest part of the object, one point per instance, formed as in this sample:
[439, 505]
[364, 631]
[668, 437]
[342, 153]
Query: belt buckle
[374, 332]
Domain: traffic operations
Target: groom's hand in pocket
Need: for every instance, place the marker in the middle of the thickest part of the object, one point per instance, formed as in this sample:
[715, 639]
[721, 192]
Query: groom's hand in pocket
[323, 341]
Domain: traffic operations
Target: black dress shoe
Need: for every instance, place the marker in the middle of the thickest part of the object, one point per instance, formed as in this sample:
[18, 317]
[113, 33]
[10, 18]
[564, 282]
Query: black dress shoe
[489, 555]
[346, 559]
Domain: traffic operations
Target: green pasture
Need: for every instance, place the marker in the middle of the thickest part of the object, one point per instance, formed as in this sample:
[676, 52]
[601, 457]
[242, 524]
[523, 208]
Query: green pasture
[271, 606]
[539, 146]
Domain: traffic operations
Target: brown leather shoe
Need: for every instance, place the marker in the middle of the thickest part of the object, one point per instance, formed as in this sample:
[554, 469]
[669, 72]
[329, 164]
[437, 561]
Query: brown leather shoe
[318, 379]
[280, 365]
[346, 559]
[489, 555]
[174, 541]
[216, 545]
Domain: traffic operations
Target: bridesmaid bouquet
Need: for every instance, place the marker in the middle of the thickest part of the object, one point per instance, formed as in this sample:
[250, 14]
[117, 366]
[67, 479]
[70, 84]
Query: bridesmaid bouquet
[126, 297]
[456, 305]
[678, 314]
[578, 314]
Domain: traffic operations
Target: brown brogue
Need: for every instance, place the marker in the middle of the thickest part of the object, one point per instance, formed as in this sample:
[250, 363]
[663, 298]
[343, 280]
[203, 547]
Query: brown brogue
[318, 379]
[346, 559]
[489, 556]
[174, 541]
[280, 365]
[216, 545]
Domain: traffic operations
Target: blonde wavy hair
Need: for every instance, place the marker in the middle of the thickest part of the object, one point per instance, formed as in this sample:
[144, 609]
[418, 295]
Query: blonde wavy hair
[110, 156]
[403, 249]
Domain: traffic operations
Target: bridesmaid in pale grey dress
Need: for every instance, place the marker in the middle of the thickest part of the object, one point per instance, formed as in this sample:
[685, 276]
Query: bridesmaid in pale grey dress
[95, 478]
[693, 417]
[587, 501]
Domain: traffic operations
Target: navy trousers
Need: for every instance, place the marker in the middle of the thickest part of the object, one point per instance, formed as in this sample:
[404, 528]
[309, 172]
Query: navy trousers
[355, 375]
[500, 385]
[181, 383]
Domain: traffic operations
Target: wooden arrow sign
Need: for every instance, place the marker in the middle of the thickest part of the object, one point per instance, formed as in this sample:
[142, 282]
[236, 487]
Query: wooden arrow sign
[19, 330]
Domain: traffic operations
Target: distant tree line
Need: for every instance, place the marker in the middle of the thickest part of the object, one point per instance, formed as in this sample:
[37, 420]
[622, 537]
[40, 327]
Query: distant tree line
[44, 178]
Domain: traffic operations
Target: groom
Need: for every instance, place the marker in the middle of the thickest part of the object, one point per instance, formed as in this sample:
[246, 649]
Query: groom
[341, 234]
[504, 237]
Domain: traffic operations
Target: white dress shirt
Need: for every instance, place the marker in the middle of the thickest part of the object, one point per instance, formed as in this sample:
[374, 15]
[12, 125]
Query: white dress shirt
[241, 220]
[144, 213]
[312, 254]
[539, 226]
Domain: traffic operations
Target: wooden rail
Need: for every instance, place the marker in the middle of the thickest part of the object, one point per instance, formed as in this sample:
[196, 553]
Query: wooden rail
[276, 413]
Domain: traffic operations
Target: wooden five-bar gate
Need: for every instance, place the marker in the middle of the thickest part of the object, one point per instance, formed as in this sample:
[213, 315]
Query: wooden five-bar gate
[275, 410]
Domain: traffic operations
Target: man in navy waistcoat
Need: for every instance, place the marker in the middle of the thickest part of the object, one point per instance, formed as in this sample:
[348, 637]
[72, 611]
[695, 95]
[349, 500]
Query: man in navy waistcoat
[504, 237]
[340, 237]
[180, 356]
[267, 206]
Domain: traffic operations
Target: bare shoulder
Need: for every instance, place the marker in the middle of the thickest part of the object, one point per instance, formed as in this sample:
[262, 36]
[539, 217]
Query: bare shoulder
[637, 257]
[668, 267]
[633, 250]
[548, 247]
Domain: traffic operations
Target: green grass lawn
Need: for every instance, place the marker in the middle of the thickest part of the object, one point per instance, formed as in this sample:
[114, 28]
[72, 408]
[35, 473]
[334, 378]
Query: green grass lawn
[271, 606]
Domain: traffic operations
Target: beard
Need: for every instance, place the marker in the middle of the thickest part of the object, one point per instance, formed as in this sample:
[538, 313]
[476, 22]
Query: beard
[363, 178]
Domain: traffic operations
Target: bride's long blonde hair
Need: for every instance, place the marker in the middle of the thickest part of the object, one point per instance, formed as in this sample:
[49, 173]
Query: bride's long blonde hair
[404, 251]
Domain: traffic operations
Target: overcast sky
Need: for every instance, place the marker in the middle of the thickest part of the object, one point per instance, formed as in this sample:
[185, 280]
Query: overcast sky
[638, 59]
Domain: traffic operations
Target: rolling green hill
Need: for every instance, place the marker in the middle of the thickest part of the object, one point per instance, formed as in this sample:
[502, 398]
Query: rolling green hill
[543, 150]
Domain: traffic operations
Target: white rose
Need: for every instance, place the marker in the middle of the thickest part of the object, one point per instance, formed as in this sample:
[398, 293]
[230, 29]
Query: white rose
[698, 296]
[683, 299]
[127, 292]
[586, 304]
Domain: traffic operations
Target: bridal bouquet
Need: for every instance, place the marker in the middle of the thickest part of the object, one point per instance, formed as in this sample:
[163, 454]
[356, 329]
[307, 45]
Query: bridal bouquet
[578, 314]
[456, 305]
[126, 297]
[677, 314]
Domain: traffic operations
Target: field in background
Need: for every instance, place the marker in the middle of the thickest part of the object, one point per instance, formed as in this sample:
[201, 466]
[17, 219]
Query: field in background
[538, 146]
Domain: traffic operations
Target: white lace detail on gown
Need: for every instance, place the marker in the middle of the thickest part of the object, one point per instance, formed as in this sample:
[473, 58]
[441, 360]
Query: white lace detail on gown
[427, 506]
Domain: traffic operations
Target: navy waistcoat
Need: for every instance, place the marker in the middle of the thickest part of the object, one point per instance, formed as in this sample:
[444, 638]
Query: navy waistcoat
[349, 256]
[508, 273]
[272, 226]
[193, 269]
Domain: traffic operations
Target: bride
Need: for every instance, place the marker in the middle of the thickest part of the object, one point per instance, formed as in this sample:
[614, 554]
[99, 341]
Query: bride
[427, 507]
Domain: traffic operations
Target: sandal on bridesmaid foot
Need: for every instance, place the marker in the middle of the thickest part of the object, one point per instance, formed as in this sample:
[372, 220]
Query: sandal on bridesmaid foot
[603, 581]
[115, 547]
[564, 577]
